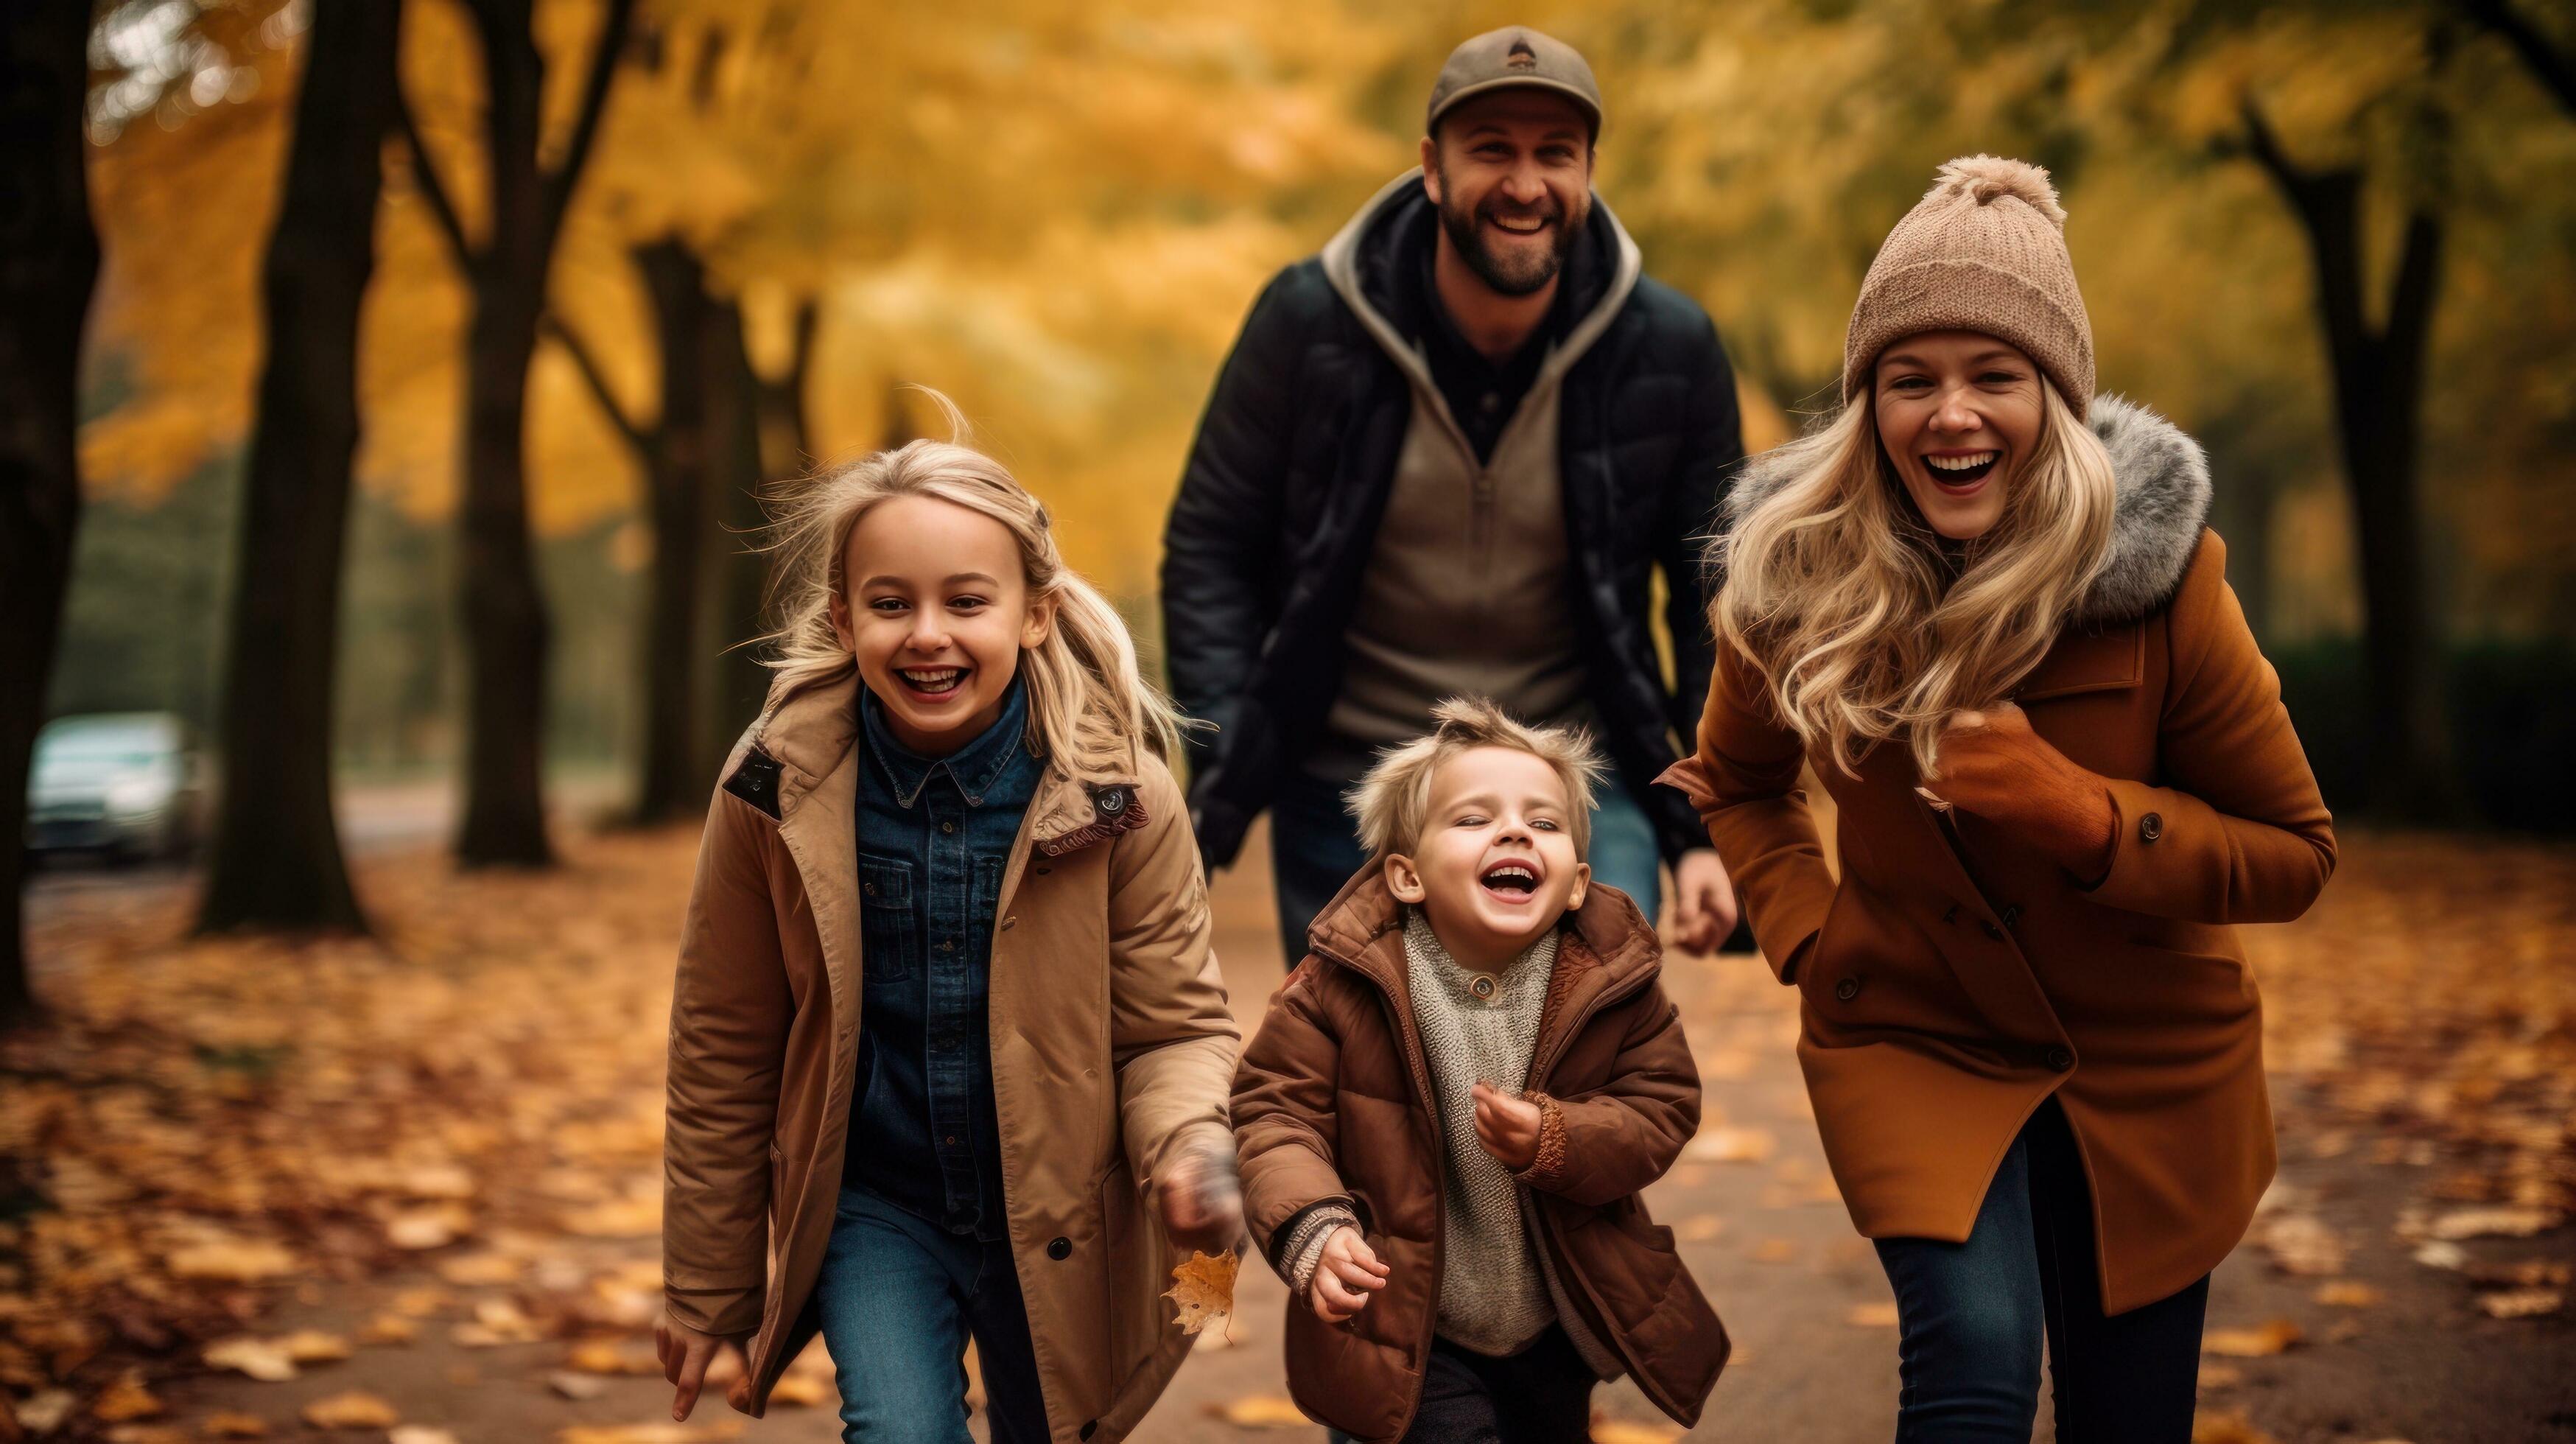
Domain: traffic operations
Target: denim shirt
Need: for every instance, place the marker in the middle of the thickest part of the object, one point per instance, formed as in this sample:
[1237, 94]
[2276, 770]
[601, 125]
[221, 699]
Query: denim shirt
[934, 837]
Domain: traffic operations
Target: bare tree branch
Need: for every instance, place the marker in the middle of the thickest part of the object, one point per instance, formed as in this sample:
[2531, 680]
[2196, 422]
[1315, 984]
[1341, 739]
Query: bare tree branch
[587, 364]
[2555, 71]
[594, 101]
[424, 176]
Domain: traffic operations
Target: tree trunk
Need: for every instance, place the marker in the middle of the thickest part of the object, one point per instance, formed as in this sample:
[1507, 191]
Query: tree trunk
[745, 457]
[2377, 374]
[679, 498]
[48, 266]
[277, 859]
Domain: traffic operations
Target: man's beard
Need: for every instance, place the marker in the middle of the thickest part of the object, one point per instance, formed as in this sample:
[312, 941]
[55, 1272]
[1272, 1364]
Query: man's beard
[1512, 275]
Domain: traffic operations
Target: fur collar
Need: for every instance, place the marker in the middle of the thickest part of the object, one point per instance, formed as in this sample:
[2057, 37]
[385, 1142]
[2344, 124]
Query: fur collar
[2164, 494]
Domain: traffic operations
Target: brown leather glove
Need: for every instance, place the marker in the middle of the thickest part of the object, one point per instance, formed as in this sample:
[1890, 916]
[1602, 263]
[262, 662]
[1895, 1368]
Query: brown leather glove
[1994, 765]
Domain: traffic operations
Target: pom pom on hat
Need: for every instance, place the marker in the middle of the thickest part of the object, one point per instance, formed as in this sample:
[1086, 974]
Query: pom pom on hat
[1984, 178]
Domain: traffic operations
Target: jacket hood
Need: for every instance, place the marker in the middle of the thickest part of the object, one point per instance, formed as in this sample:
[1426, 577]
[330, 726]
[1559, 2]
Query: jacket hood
[2163, 491]
[1370, 256]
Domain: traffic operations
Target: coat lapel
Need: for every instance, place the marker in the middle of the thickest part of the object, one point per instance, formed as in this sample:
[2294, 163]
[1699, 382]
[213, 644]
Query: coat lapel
[2088, 661]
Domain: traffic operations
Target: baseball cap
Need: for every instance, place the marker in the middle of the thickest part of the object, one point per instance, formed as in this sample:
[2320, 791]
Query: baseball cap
[1515, 55]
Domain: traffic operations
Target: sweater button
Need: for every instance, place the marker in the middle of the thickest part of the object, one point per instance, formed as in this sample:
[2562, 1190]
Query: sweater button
[2060, 1059]
[1847, 989]
[1060, 1249]
[2151, 827]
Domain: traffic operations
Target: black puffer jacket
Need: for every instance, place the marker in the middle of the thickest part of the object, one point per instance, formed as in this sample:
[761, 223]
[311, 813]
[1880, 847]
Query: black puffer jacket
[1289, 477]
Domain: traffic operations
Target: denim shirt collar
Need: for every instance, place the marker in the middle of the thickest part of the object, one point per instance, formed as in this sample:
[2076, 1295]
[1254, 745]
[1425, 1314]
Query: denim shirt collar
[974, 767]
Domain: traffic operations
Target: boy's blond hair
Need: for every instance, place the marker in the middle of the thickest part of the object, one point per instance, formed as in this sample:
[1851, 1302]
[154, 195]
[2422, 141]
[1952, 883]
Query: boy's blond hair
[1391, 802]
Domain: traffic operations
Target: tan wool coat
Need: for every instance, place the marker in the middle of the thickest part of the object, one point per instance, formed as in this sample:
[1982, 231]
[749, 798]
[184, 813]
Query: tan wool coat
[1954, 978]
[1334, 1100]
[1111, 1047]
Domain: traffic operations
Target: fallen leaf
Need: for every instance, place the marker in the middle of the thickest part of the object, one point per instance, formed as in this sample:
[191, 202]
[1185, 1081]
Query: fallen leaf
[1774, 1250]
[146, 1434]
[2521, 1303]
[2303, 1244]
[1725, 1144]
[2492, 1223]
[1203, 1289]
[1620, 1431]
[420, 1229]
[481, 1270]
[419, 1434]
[233, 1261]
[1700, 1228]
[233, 1425]
[2346, 1294]
[124, 1398]
[312, 1346]
[609, 1356]
[44, 1411]
[1261, 1411]
[1881, 1315]
[2440, 1255]
[356, 1409]
[576, 1386]
[803, 1390]
[2219, 1376]
[2226, 1427]
[388, 1329]
[646, 1433]
[263, 1359]
[2261, 1341]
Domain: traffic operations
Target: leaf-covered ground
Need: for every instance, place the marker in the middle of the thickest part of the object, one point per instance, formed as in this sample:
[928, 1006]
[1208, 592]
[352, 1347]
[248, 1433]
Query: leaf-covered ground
[408, 1189]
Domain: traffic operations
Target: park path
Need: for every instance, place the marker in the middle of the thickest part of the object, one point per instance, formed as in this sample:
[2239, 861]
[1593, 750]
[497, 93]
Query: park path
[2423, 1077]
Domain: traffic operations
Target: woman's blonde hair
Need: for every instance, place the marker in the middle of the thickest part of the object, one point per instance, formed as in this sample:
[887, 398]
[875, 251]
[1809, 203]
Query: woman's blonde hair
[1863, 629]
[1090, 708]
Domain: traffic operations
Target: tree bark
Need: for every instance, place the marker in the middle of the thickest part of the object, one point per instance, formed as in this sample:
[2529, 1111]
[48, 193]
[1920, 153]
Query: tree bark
[2378, 383]
[505, 619]
[48, 267]
[277, 860]
[680, 500]
[762, 438]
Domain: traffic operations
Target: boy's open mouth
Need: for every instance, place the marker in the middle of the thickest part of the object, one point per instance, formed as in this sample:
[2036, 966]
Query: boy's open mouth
[1512, 878]
[1962, 472]
[933, 681]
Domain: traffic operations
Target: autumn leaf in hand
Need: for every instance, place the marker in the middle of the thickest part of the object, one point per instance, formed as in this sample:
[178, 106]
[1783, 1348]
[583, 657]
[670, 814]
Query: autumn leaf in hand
[1203, 1289]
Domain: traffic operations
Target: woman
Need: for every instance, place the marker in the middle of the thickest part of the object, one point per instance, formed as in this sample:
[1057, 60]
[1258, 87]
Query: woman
[1983, 604]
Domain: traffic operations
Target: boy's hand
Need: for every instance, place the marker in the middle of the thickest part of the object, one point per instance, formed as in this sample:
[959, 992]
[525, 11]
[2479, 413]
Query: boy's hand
[1345, 1276]
[692, 1360]
[1201, 1199]
[1507, 1126]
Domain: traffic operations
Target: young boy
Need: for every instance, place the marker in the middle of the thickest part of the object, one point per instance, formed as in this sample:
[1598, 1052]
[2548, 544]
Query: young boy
[1447, 1117]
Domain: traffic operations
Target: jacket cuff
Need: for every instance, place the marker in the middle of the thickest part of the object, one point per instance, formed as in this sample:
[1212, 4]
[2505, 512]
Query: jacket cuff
[721, 1313]
[1546, 1170]
[2144, 849]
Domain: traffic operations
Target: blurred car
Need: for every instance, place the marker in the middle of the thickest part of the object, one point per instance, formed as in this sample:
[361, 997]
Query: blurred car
[126, 784]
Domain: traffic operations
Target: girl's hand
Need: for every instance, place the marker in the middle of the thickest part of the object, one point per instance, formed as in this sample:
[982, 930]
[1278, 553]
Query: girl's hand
[1345, 1276]
[1507, 1126]
[691, 1360]
[1994, 765]
[1201, 1199]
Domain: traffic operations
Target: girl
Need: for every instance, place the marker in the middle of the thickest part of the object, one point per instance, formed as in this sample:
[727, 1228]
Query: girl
[946, 1013]
[1982, 602]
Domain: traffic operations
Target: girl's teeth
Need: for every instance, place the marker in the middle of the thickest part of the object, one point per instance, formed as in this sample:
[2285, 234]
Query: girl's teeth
[1962, 463]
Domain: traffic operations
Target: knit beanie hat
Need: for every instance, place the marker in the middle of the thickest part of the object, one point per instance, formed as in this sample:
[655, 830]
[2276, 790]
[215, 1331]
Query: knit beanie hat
[1984, 250]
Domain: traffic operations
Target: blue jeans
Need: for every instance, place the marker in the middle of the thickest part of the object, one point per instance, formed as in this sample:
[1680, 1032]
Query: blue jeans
[1971, 1317]
[899, 1296]
[1315, 847]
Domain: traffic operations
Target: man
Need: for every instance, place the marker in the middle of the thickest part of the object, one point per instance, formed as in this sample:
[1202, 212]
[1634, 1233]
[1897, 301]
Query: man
[1443, 459]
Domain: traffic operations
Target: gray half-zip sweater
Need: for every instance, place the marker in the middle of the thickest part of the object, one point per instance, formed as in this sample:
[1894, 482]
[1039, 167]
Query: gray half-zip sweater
[1466, 589]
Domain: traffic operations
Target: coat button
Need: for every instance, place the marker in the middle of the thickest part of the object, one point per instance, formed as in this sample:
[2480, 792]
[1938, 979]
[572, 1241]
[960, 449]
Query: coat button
[1847, 989]
[2060, 1059]
[2151, 827]
[1060, 1249]
[1010, 922]
[2012, 915]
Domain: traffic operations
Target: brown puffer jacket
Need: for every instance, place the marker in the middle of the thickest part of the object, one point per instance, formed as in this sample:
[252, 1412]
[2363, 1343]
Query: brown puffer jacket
[1333, 1100]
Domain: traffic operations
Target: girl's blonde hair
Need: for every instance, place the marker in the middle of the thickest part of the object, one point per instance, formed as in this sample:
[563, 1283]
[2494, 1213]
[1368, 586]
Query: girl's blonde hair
[1090, 708]
[1864, 631]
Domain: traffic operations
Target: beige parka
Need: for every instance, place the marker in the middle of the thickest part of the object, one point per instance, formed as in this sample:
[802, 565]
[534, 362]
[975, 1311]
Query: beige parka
[1112, 1050]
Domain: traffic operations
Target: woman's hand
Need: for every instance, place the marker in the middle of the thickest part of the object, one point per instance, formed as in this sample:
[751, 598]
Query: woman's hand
[1201, 1199]
[1703, 901]
[692, 1360]
[1507, 1126]
[1994, 765]
[1347, 1273]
